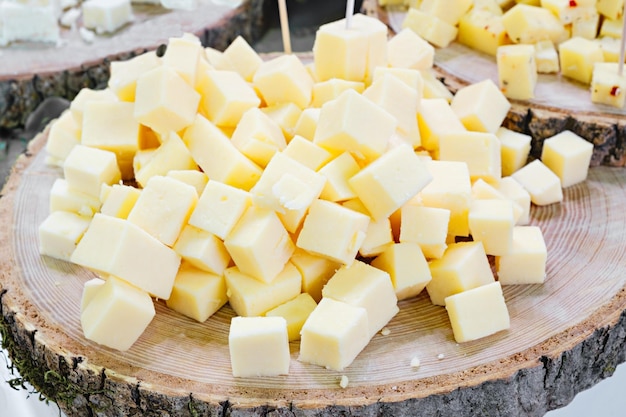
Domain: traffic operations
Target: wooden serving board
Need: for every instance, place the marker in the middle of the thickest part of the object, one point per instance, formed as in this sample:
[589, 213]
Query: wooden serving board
[565, 335]
[31, 72]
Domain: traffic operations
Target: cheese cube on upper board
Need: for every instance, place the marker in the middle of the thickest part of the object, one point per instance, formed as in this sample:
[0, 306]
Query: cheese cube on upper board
[546, 57]
[543, 185]
[28, 22]
[607, 86]
[295, 312]
[517, 71]
[527, 24]
[481, 106]
[87, 168]
[258, 137]
[202, 249]
[448, 10]
[526, 261]
[425, 226]
[406, 265]
[105, 16]
[430, 27]
[60, 232]
[612, 9]
[568, 156]
[482, 30]
[577, 57]
[258, 346]
[568, 11]
[284, 80]
[409, 50]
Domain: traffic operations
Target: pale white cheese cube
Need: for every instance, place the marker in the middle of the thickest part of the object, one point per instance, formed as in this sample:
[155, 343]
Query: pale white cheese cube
[543, 185]
[60, 232]
[526, 261]
[106, 16]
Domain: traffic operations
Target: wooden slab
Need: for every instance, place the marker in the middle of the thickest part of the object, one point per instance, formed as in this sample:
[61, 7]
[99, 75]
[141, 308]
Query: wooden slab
[565, 335]
[29, 73]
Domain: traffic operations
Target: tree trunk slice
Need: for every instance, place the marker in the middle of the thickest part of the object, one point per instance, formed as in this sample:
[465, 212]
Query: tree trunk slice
[559, 104]
[32, 72]
[565, 335]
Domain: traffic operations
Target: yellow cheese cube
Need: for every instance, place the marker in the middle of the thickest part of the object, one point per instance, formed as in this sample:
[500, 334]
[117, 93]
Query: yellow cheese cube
[295, 312]
[315, 270]
[240, 57]
[334, 334]
[65, 198]
[390, 181]
[546, 57]
[333, 231]
[411, 77]
[60, 232]
[258, 137]
[307, 123]
[610, 48]
[480, 151]
[202, 249]
[514, 191]
[407, 49]
[124, 74]
[613, 9]
[163, 208]
[491, 222]
[258, 346]
[514, 150]
[577, 57]
[526, 261]
[570, 11]
[197, 179]
[87, 168]
[337, 173]
[484, 191]
[517, 71]
[64, 134]
[607, 86]
[117, 315]
[284, 80]
[481, 106]
[378, 237]
[436, 118]
[196, 293]
[478, 312]
[350, 53]
[406, 265]
[362, 285]
[250, 297]
[527, 24]
[171, 155]
[568, 156]
[462, 267]
[353, 123]
[307, 153]
[483, 31]
[328, 90]
[543, 185]
[430, 27]
[286, 115]
[226, 97]
[120, 200]
[447, 10]
[218, 157]
[587, 25]
[433, 87]
[86, 95]
[611, 27]
[426, 227]
[259, 244]
[182, 55]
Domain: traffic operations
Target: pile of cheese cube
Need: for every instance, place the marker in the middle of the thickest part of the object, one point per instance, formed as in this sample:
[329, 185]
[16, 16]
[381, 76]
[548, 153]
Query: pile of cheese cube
[579, 39]
[310, 196]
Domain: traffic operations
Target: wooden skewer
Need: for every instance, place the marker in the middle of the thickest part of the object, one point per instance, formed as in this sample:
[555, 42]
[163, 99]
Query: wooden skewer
[284, 25]
[349, 13]
[620, 66]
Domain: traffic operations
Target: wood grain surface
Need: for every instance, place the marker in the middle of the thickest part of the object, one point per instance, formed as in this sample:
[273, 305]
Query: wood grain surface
[565, 335]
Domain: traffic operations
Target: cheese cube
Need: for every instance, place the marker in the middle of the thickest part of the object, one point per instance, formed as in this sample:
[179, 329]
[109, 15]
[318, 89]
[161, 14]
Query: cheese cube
[337, 173]
[163, 208]
[334, 334]
[284, 80]
[484, 191]
[411, 77]
[430, 27]
[90, 289]
[197, 179]
[120, 200]
[480, 151]
[568, 156]
[87, 168]
[28, 22]
[286, 115]
[219, 208]
[401, 101]
[613, 9]
[409, 50]
[258, 346]
[462, 267]
[526, 261]
[250, 297]
[295, 312]
[546, 57]
[586, 26]
[65, 198]
[259, 244]
[307, 123]
[406, 265]
[64, 134]
[611, 28]
[218, 157]
[171, 155]
[515, 192]
[426, 227]
[328, 90]
[362, 285]
[289, 188]
[196, 293]
[450, 189]
[106, 16]
[180, 4]
[60, 232]
[226, 97]
[477, 312]
[240, 57]
[117, 315]
[517, 71]
[435, 119]
[258, 137]
[481, 106]
[315, 270]
[124, 74]
[434, 87]
[164, 101]
[353, 123]
[182, 55]
[333, 231]
[543, 185]
[577, 57]
[607, 86]
[528, 24]
[447, 10]
[514, 150]
[86, 95]
[378, 237]
[202, 249]
[350, 53]
[491, 222]
[483, 31]
[568, 11]
[307, 153]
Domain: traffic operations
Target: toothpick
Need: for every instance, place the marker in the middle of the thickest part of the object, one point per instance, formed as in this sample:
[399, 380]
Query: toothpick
[284, 25]
[620, 67]
[349, 13]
